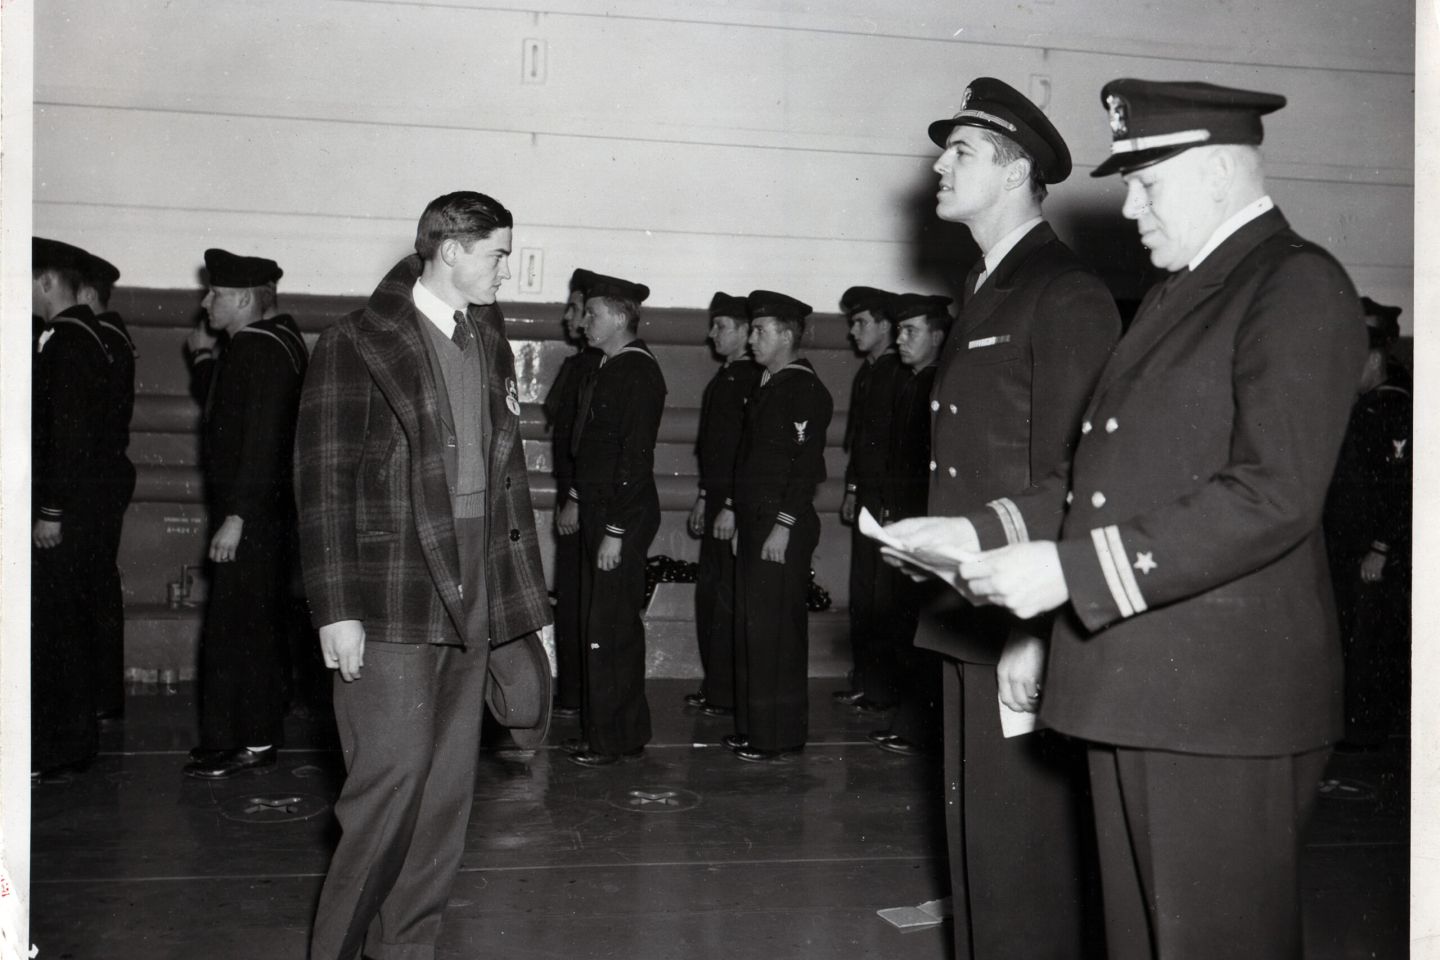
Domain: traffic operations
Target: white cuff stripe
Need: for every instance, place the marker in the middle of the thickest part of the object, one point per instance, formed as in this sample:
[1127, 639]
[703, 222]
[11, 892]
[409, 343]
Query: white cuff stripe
[785, 518]
[1022, 535]
[1005, 522]
[1107, 567]
[1122, 565]
[617, 531]
[1159, 140]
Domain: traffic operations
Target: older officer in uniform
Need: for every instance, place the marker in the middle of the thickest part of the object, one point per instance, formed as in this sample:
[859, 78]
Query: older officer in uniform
[1367, 536]
[867, 439]
[560, 408]
[421, 566]
[921, 323]
[1195, 646]
[251, 394]
[614, 445]
[781, 462]
[712, 518]
[70, 446]
[118, 484]
[1015, 374]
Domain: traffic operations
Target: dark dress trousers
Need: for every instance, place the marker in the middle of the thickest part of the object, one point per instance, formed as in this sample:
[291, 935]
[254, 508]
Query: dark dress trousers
[781, 462]
[614, 444]
[867, 440]
[118, 475]
[1015, 373]
[71, 369]
[251, 395]
[560, 408]
[722, 420]
[381, 543]
[1199, 654]
[1368, 510]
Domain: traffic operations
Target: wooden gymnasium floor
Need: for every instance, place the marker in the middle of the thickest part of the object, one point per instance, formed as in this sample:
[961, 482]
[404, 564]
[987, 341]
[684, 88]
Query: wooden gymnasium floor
[687, 853]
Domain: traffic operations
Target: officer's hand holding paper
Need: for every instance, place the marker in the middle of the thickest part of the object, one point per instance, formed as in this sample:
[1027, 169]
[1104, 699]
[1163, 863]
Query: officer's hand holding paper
[934, 545]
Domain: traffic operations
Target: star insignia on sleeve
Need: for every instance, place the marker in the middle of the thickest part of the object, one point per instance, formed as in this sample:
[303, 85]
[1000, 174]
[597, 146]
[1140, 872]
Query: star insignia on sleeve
[1145, 562]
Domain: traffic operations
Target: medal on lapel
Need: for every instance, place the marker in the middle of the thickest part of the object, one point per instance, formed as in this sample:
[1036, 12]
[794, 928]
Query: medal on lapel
[512, 396]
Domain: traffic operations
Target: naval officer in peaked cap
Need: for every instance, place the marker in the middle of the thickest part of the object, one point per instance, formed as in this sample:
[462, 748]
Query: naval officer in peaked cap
[1194, 649]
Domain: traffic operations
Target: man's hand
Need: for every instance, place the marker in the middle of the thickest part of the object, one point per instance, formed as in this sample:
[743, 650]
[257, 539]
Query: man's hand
[775, 544]
[46, 534]
[200, 339]
[343, 645]
[696, 523]
[608, 556]
[1372, 568]
[847, 507]
[567, 518]
[1024, 578]
[724, 528]
[226, 542]
[1020, 671]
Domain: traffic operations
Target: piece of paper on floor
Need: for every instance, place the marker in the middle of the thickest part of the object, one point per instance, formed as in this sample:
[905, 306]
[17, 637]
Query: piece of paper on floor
[928, 914]
[1015, 723]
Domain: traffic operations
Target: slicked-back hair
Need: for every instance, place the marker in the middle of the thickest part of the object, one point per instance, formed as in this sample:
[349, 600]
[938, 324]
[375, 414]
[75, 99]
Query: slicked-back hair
[1007, 151]
[466, 216]
[628, 309]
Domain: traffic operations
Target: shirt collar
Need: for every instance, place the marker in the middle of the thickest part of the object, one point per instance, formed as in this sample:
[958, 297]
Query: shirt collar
[1225, 230]
[432, 308]
[997, 253]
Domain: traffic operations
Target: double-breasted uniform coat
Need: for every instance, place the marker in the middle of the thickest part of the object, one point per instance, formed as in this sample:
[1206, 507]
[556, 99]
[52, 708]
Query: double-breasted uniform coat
[1199, 653]
[614, 444]
[1015, 373]
[717, 444]
[251, 396]
[868, 427]
[780, 464]
[380, 544]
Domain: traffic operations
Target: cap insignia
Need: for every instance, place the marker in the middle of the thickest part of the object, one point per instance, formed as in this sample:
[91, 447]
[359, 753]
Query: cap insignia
[1119, 114]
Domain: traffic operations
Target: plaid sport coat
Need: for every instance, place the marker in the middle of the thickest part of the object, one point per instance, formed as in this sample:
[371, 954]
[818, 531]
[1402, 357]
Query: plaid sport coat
[377, 533]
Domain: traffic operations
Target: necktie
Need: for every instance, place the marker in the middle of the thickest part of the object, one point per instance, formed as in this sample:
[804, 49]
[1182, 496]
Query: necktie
[461, 336]
[973, 278]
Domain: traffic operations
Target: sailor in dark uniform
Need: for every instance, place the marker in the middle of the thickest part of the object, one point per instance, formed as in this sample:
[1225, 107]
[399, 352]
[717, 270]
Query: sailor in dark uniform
[118, 476]
[614, 445]
[71, 373]
[1367, 537]
[251, 396]
[867, 440]
[560, 409]
[921, 323]
[781, 462]
[712, 518]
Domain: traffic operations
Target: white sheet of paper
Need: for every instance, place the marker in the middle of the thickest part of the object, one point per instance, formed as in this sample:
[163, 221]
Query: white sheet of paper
[1015, 723]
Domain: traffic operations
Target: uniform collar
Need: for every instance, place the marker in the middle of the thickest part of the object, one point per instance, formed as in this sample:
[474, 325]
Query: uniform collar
[1225, 230]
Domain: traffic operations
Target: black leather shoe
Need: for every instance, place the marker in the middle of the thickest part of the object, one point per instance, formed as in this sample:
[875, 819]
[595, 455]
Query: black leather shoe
[564, 713]
[207, 754]
[574, 745]
[696, 699]
[734, 741]
[866, 705]
[232, 763]
[593, 758]
[847, 697]
[881, 736]
[750, 755]
[710, 710]
[901, 746]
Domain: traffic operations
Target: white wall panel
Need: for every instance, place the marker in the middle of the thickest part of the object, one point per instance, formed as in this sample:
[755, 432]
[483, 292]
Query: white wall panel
[695, 145]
